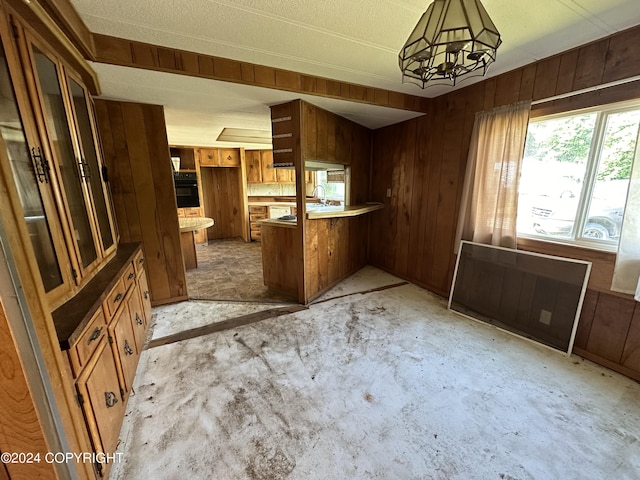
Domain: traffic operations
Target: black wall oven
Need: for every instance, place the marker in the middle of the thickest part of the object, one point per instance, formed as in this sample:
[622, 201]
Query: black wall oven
[186, 184]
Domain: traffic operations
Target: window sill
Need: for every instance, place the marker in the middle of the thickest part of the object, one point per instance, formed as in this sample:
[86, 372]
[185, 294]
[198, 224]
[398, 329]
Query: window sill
[584, 245]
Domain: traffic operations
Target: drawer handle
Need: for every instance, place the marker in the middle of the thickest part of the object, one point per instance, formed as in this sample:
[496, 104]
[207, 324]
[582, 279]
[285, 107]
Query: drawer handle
[95, 335]
[118, 298]
[127, 348]
[110, 399]
[228, 157]
[131, 275]
[146, 294]
[138, 319]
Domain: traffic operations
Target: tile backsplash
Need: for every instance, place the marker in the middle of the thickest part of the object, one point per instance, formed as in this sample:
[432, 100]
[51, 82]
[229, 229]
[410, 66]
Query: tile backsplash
[271, 189]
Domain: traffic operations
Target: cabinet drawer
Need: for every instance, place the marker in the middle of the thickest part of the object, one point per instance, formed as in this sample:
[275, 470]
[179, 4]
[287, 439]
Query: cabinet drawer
[89, 339]
[138, 262]
[209, 157]
[255, 227]
[192, 212]
[254, 217]
[258, 210]
[115, 298]
[229, 157]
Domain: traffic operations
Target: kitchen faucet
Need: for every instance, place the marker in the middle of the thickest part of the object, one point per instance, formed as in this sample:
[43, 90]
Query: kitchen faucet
[323, 200]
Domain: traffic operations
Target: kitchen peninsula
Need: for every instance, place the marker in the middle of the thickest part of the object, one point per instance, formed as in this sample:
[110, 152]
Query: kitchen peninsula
[325, 243]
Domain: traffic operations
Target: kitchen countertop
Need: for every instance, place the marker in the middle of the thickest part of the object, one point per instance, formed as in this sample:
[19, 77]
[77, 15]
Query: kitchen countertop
[191, 224]
[329, 211]
[279, 223]
[343, 211]
[272, 204]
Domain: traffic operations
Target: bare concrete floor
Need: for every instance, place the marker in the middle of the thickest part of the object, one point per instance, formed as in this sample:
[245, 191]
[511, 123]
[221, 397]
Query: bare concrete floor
[385, 385]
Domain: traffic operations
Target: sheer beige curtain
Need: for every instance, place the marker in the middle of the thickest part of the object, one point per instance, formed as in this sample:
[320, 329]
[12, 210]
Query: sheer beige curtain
[490, 195]
[626, 275]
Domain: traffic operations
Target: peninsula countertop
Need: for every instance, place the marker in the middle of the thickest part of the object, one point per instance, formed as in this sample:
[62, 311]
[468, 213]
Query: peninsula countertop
[331, 211]
[191, 224]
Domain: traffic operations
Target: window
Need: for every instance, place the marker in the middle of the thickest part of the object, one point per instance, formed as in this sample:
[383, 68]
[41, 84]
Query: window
[575, 175]
[333, 183]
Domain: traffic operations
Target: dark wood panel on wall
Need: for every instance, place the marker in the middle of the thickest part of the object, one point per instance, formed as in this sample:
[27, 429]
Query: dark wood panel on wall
[136, 154]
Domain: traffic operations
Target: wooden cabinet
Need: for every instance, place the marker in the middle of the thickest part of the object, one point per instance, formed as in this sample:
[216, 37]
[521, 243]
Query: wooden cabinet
[66, 159]
[254, 167]
[266, 166]
[104, 353]
[99, 393]
[219, 157]
[209, 157]
[256, 213]
[124, 345]
[229, 157]
[260, 169]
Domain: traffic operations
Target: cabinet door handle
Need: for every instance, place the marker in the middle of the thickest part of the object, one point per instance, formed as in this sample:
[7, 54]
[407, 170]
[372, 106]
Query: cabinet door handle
[95, 335]
[141, 261]
[146, 294]
[131, 275]
[127, 348]
[110, 399]
[41, 165]
[138, 319]
[118, 297]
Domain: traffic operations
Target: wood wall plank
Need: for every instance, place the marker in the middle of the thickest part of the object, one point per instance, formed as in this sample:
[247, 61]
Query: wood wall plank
[20, 427]
[631, 352]
[137, 157]
[610, 327]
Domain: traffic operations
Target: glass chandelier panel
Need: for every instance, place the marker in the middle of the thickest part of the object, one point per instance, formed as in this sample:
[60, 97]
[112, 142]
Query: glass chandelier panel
[453, 38]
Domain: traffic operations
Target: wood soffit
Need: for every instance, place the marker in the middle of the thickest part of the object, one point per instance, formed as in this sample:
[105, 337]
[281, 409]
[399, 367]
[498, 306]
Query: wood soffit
[129, 53]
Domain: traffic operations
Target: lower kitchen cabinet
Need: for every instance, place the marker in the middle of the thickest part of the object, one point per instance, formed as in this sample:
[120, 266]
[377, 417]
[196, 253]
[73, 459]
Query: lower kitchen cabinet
[103, 332]
[101, 400]
[124, 347]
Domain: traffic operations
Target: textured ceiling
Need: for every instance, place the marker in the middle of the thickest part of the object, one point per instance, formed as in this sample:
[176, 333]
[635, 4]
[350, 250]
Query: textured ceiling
[355, 41]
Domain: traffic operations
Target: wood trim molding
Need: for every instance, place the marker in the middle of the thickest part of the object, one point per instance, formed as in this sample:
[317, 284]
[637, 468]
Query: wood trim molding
[129, 53]
[69, 21]
[33, 16]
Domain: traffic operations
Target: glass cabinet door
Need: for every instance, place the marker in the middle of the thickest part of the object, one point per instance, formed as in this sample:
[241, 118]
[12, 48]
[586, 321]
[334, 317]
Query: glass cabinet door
[70, 171]
[91, 164]
[12, 137]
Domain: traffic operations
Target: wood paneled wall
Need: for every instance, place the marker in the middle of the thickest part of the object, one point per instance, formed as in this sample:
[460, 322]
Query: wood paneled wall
[20, 427]
[136, 154]
[423, 160]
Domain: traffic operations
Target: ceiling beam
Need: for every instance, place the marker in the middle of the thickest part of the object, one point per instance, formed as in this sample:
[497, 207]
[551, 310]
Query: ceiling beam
[129, 53]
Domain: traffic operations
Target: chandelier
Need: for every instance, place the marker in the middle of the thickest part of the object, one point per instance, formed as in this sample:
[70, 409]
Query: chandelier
[453, 38]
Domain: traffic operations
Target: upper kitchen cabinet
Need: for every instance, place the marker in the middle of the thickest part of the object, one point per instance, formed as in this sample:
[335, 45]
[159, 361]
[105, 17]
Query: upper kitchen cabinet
[69, 156]
[254, 169]
[219, 157]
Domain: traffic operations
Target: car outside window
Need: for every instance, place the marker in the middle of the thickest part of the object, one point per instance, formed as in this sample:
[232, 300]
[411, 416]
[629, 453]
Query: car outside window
[575, 176]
